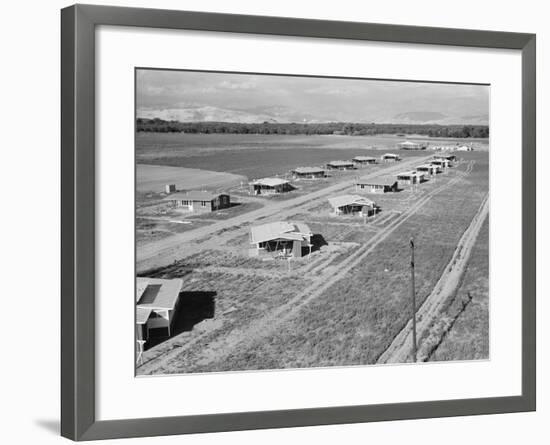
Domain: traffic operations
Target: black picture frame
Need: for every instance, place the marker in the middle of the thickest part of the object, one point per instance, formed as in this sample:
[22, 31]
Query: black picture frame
[78, 23]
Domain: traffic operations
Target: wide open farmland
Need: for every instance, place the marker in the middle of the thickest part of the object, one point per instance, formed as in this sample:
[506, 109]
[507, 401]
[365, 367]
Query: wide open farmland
[256, 156]
[153, 178]
[344, 304]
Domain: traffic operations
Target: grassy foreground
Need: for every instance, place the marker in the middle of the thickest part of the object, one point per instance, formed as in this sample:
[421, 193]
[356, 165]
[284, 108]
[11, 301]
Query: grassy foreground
[469, 337]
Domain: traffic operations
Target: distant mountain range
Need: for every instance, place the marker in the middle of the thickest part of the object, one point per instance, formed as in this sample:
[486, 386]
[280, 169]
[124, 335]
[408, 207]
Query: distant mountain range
[279, 114]
[435, 117]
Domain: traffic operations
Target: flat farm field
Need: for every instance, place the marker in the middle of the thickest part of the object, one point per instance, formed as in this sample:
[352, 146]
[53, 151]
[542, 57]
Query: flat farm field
[153, 178]
[257, 156]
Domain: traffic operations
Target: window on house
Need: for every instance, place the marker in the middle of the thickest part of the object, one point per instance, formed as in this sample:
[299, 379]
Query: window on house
[203, 203]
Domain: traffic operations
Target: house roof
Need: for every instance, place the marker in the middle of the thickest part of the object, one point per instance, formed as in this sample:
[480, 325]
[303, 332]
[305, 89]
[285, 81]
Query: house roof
[411, 173]
[341, 163]
[429, 166]
[390, 155]
[193, 195]
[306, 170]
[270, 182]
[279, 230]
[444, 156]
[346, 200]
[157, 293]
[383, 180]
[364, 158]
[142, 314]
[410, 144]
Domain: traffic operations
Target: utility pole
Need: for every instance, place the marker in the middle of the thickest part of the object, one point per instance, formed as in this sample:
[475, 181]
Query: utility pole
[413, 298]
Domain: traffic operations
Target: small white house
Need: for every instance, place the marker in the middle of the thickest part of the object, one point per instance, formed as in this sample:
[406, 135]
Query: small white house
[411, 177]
[364, 160]
[408, 145]
[270, 186]
[390, 157]
[441, 163]
[352, 204]
[280, 238]
[199, 201]
[383, 184]
[156, 303]
[428, 169]
[340, 165]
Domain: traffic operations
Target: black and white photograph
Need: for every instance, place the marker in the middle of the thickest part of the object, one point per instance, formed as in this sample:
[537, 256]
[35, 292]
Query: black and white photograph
[303, 222]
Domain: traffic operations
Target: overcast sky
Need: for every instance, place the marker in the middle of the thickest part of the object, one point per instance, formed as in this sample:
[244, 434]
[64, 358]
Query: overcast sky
[199, 96]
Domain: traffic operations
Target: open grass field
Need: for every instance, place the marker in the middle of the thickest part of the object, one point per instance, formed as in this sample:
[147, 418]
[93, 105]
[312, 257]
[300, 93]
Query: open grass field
[156, 219]
[187, 144]
[153, 178]
[344, 304]
[257, 156]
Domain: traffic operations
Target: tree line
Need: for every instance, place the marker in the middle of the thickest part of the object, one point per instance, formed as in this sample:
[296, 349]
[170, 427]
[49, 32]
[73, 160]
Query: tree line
[343, 128]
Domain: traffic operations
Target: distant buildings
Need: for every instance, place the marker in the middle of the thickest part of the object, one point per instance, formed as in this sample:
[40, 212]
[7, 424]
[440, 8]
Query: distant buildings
[441, 163]
[268, 186]
[281, 237]
[450, 158]
[156, 302]
[340, 165]
[390, 157]
[199, 201]
[377, 185]
[429, 169]
[364, 160]
[352, 204]
[408, 145]
[453, 147]
[411, 178]
[309, 172]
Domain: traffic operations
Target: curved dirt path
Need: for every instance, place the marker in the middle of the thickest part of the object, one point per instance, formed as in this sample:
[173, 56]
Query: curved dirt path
[399, 350]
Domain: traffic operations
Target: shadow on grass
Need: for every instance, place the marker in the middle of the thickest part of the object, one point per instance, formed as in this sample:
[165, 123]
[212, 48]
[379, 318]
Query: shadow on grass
[317, 242]
[193, 308]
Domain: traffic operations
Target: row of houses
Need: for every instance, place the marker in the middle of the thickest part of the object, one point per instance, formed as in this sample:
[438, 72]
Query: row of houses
[357, 161]
[157, 299]
[204, 201]
[409, 145]
[356, 204]
[385, 184]
[453, 147]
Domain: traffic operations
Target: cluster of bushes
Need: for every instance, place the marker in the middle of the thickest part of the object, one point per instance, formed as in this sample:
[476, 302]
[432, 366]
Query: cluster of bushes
[352, 129]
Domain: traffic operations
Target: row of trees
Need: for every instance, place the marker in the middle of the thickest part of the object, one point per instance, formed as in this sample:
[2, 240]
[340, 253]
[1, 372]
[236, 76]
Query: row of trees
[353, 129]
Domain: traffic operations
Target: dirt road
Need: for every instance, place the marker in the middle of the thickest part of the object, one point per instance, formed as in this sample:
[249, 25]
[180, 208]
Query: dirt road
[165, 251]
[246, 336]
[400, 349]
